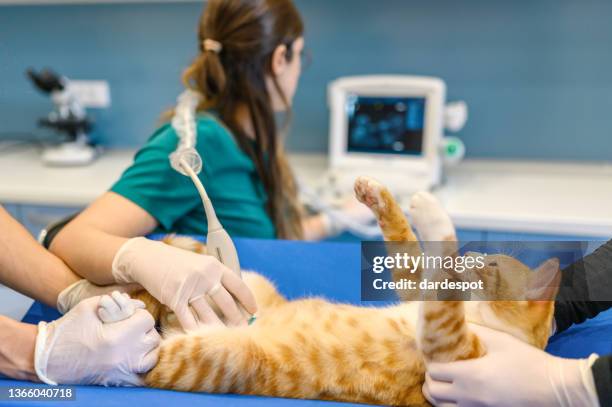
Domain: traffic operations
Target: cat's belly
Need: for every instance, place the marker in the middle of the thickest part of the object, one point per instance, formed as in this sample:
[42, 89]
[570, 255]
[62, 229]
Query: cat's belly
[407, 310]
[308, 348]
[316, 311]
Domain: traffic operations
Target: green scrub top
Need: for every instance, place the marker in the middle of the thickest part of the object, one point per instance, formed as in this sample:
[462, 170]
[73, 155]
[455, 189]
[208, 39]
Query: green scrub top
[229, 176]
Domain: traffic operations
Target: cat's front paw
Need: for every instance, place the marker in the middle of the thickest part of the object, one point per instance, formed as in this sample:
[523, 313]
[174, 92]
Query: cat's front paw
[117, 307]
[369, 192]
[430, 219]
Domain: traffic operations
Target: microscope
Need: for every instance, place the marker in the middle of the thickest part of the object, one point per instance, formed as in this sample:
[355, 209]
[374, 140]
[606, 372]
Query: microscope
[68, 119]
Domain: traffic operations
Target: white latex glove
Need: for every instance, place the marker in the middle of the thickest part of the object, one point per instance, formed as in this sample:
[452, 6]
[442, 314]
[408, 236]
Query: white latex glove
[79, 348]
[350, 213]
[512, 374]
[83, 289]
[181, 280]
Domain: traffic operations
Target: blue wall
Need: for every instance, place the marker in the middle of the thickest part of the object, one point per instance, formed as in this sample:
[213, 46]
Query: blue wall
[536, 74]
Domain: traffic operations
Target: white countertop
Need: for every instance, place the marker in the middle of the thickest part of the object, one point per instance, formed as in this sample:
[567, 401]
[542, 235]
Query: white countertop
[24, 179]
[548, 198]
[562, 199]
[573, 199]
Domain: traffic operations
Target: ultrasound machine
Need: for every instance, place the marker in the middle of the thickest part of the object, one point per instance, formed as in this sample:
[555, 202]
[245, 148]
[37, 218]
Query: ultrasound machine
[391, 128]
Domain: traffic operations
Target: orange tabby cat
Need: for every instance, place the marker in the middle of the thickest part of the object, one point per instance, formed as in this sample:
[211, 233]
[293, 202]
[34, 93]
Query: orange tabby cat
[314, 349]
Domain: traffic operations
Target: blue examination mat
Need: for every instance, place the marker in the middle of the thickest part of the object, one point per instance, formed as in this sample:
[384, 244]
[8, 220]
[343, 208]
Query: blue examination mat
[299, 269]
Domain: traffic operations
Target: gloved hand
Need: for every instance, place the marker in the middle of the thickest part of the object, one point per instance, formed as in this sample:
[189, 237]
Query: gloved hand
[512, 374]
[350, 214]
[79, 348]
[181, 280]
[83, 289]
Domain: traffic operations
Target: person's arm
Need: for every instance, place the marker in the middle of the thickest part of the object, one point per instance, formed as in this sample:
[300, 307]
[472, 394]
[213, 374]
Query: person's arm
[89, 243]
[149, 193]
[586, 288]
[602, 374]
[104, 245]
[98, 244]
[67, 350]
[537, 378]
[17, 342]
[315, 228]
[325, 225]
[27, 267]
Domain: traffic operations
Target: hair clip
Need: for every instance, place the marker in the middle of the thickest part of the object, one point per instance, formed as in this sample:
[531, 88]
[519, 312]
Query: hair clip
[212, 45]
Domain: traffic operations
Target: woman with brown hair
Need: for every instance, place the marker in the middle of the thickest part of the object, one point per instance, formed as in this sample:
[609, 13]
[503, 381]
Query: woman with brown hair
[247, 69]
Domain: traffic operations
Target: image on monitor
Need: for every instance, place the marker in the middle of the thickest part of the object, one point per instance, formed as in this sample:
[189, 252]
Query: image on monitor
[386, 125]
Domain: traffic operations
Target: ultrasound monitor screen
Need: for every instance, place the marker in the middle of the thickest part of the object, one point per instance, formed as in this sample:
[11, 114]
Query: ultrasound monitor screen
[385, 125]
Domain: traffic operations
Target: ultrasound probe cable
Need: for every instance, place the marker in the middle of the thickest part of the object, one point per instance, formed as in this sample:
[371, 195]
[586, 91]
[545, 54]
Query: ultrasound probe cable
[188, 162]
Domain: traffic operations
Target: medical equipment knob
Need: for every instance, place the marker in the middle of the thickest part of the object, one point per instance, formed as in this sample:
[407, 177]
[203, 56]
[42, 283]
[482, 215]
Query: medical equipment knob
[452, 150]
[455, 116]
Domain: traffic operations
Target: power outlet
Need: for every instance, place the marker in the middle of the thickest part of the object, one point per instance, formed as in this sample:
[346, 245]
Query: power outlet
[92, 94]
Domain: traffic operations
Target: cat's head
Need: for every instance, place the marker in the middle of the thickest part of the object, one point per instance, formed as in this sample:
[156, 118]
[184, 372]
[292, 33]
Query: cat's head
[525, 298]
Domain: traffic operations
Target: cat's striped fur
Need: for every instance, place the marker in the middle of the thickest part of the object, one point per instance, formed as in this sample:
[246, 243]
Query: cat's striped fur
[316, 349]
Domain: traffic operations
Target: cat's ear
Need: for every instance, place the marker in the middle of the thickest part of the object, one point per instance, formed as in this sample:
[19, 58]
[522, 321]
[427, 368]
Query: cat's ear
[544, 281]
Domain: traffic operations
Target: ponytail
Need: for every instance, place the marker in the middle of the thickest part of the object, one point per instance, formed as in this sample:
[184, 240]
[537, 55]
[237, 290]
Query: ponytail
[206, 75]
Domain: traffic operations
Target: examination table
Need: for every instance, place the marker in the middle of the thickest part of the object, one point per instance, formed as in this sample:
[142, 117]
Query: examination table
[299, 269]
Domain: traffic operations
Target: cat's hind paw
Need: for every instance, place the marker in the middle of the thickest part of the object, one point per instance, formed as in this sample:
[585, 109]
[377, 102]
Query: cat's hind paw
[430, 219]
